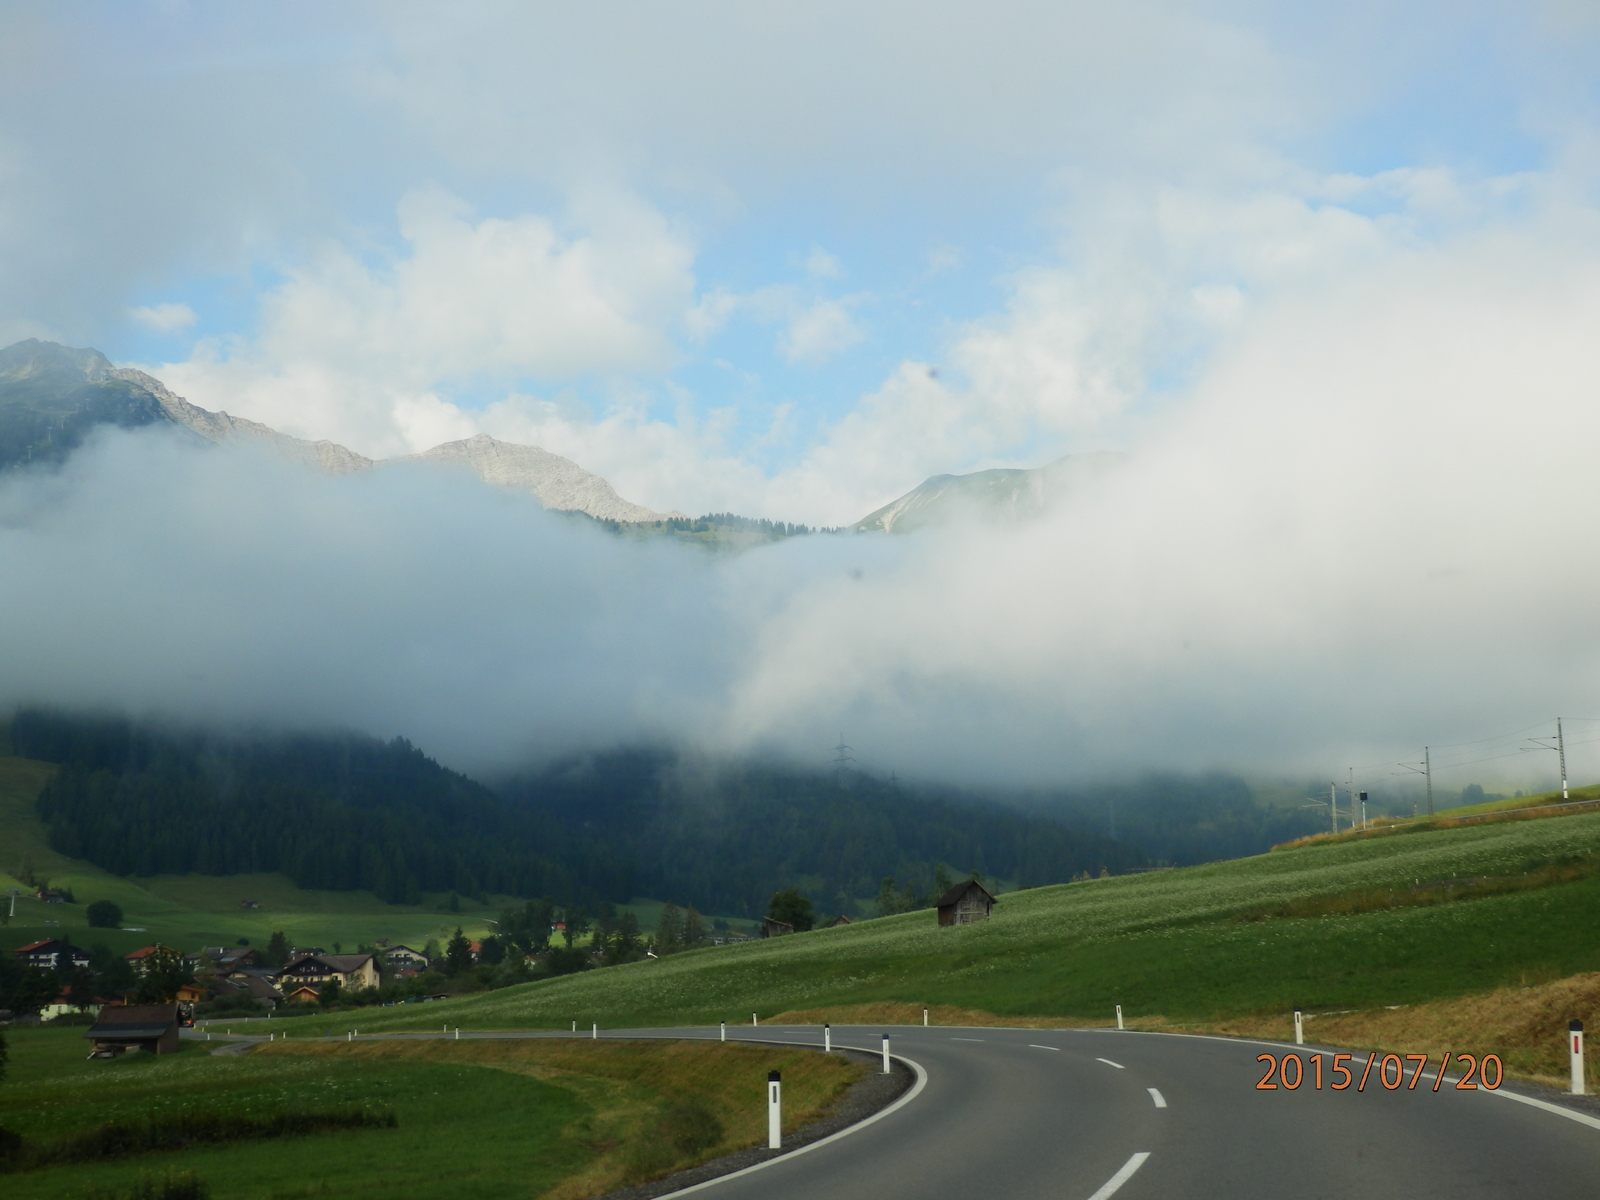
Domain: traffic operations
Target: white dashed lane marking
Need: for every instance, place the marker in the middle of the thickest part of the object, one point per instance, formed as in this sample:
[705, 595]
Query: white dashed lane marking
[1109, 1063]
[1161, 1101]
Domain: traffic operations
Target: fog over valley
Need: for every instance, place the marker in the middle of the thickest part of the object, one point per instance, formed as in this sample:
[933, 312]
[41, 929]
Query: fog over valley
[1317, 308]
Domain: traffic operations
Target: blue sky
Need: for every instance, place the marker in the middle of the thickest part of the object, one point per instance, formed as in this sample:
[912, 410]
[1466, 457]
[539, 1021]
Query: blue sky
[841, 191]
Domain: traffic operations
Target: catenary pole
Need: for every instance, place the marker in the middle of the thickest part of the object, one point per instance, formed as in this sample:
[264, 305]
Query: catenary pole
[1427, 771]
[1561, 752]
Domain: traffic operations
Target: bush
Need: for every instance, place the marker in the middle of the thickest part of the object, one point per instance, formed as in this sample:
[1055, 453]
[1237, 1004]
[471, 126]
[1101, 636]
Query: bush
[103, 914]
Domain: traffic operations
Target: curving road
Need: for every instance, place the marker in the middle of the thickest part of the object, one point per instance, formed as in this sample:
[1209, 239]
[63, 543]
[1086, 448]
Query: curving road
[1030, 1114]
[1066, 1114]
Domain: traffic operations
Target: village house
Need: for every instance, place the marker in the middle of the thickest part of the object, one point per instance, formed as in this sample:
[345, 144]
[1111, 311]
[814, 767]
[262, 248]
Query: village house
[405, 958]
[143, 958]
[120, 1028]
[224, 959]
[965, 903]
[304, 994]
[257, 985]
[353, 971]
[47, 955]
[50, 896]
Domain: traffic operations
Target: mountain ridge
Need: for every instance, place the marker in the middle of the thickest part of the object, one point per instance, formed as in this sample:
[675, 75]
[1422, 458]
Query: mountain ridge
[1000, 494]
[51, 396]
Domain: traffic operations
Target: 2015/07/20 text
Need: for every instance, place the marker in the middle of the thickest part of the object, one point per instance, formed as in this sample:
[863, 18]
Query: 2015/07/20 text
[1278, 1072]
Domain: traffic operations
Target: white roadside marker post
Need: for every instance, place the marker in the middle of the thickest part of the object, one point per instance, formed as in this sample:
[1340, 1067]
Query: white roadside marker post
[574, 1027]
[458, 1033]
[924, 1018]
[1299, 1028]
[827, 1038]
[1119, 1016]
[774, 1110]
[724, 1031]
[594, 1032]
[886, 1054]
[753, 1019]
[1575, 1042]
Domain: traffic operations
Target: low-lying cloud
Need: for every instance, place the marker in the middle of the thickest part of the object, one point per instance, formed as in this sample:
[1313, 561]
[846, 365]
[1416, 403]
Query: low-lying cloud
[1367, 526]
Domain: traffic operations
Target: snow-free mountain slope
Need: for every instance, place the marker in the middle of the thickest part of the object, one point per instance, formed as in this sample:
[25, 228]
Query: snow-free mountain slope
[557, 482]
[1003, 494]
[52, 396]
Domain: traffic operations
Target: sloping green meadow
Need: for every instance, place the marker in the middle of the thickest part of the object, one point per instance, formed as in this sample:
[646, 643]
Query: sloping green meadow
[1172, 943]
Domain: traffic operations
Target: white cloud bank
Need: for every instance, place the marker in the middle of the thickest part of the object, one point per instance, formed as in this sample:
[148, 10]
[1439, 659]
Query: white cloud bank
[1368, 528]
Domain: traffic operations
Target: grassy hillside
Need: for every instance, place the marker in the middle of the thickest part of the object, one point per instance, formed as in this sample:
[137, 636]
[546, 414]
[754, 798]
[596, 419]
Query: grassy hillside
[1198, 943]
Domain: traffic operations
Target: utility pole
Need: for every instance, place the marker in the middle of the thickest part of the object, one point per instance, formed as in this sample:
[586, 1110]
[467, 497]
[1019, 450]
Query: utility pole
[841, 761]
[1561, 752]
[1426, 771]
[1333, 804]
[1559, 745]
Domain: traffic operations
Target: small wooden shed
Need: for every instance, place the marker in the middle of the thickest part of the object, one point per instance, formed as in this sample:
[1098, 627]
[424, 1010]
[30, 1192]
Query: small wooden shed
[123, 1027]
[775, 928]
[965, 903]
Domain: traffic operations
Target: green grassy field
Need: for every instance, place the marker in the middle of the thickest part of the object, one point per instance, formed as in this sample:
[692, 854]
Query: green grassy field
[1172, 943]
[474, 1119]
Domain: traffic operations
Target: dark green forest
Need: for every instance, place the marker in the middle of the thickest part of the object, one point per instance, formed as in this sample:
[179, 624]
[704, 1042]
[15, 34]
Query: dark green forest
[329, 811]
[723, 837]
[344, 811]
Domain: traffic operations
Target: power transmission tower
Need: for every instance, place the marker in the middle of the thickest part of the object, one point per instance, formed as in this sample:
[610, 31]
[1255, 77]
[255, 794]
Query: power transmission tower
[1426, 771]
[841, 761]
[1559, 745]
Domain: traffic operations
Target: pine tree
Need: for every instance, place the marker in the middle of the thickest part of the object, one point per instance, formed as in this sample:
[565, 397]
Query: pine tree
[669, 931]
[694, 931]
[458, 955]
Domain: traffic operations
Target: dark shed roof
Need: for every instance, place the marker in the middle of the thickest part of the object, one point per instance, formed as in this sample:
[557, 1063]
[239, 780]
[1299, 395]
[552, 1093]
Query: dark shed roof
[953, 896]
[133, 1021]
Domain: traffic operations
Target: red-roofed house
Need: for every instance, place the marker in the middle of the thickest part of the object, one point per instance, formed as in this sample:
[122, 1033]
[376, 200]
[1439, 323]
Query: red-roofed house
[141, 958]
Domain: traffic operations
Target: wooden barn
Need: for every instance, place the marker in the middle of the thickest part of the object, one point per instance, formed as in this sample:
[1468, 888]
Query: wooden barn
[965, 903]
[123, 1027]
[775, 928]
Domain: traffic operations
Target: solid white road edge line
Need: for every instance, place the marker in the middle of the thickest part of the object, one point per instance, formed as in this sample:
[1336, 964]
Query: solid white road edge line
[1110, 1186]
[1036, 1046]
[966, 1039]
[1109, 1063]
[1581, 1118]
[1161, 1101]
[916, 1089]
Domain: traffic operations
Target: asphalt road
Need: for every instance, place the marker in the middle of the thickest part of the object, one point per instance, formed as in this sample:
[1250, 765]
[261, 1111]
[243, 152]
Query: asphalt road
[1036, 1114]
[1028, 1114]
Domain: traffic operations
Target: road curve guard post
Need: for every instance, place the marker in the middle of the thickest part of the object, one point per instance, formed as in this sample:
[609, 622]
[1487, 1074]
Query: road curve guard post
[1575, 1045]
[594, 1031]
[724, 1031]
[754, 1020]
[827, 1038]
[1299, 1028]
[774, 1110]
[1119, 1016]
[886, 1054]
[924, 1018]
